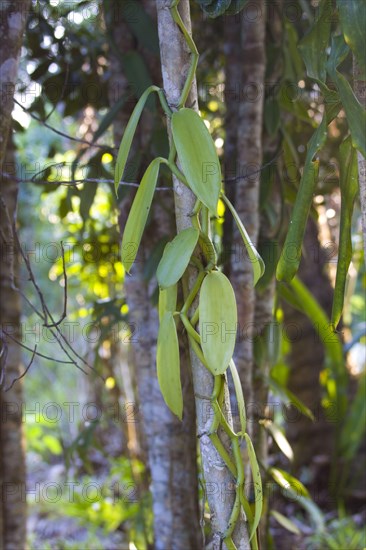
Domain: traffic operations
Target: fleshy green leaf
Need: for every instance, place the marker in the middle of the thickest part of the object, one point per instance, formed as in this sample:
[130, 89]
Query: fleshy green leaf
[167, 300]
[355, 113]
[349, 189]
[352, 14]
[285, 522]
[279, 438]
[128, 135]
[287, 481]
[168, 365]
[289, 398]
[176, 257]
[257, 482]
[217, 321]
[139, 212]
[239, 397]
[354, 427]
[314, 45]
[256, 261]
[198, 157]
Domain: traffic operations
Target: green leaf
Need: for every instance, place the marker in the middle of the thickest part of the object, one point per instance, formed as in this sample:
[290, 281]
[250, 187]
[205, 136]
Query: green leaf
[198, 157]
[176, 257]
[128, 135]
[257, 482]
[239, 397]
[354, 427]
[168, 365]
[289, 261]
[138, 76]
[139, 212]
[314, 45]
[289, 398]
[285, 522]
[217, 321]
[216, 8]
[349, 189]
[167, 300]
[287, 481]
[279, 438]
[235, 7]
[352, 14]
[141, 24]
[355, 113]
[257, 262]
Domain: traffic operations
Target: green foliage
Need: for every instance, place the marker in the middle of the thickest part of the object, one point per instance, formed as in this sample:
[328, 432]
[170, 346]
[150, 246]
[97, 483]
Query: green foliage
[168, 364]
[198, 157]
[176, 257]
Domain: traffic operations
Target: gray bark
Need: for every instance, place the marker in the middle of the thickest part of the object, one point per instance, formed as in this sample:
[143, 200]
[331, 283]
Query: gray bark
[220, 486]
[12, 459]
[250, 113]
[360, 91]
[12, 468]
[170, 444]
[12, 21]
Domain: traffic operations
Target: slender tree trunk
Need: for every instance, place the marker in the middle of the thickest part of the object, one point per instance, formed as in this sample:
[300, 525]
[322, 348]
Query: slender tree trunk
[171, 445]
[12, 468]
[12, 458]
[220, 486]
[247, 188]
[360, 91]
[264, 299]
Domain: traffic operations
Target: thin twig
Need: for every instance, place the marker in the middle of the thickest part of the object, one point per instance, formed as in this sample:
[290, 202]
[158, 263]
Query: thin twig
[39, 354]
[62, 134]
[25, 372]
[64, 313]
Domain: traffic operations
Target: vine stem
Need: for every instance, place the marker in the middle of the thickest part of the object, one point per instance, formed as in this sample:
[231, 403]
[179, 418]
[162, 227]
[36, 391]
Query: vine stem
[192, 48]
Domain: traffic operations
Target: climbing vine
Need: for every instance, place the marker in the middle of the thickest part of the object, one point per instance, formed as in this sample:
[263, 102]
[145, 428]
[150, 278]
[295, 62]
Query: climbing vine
[211, 327]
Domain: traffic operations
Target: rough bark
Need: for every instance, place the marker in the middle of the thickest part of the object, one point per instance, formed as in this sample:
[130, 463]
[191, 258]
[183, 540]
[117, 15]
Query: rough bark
[12, 459]
[12, 471]
[12, 21]
[264, 299]
[250, 113]
[171, 444]
[220, 486]
[360, 91]
[233, 67]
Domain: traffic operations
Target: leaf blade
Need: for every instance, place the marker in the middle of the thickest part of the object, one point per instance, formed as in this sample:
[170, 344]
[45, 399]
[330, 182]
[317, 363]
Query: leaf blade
[198, 157]
[168, 365]
[176, 257]
[217, 321]
[256, 260]
[138, 215]
[257, 482]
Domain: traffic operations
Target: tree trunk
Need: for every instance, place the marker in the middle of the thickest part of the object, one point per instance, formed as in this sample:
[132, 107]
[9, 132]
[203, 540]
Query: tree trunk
[220, 486]
[171, 444]
[12, 467]
[250, 113]
[12, 458]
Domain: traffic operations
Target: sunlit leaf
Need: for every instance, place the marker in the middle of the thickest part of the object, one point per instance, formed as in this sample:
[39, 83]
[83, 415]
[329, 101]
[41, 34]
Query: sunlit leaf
[168, 365]
[176, 257]
[289, 398]
[256, 261]
[139, 212]
[352, 14]
[167, 300]
[239, 397]
[198, 157]
[356, 114]
[257, 482]
[128, 135]
[279, 438]
[285, 522]
[217, 321]
[287, 481]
